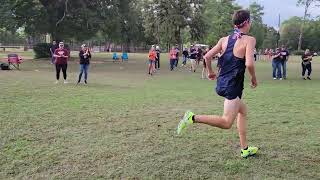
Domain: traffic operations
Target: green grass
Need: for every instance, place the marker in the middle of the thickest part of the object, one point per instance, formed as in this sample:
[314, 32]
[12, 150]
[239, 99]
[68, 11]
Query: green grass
[122, 125]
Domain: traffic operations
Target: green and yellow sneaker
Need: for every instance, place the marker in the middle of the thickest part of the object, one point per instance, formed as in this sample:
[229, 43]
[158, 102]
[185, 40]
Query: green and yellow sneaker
[249, 152]
[187, 120]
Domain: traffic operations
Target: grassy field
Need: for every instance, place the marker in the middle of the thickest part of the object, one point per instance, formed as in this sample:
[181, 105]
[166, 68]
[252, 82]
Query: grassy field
[122, 125]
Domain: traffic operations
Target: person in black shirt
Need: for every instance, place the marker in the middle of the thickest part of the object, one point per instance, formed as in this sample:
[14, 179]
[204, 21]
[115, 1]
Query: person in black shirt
[177, 55]
[276, 65]
[185, 56]
[284, 58]
[193, 57]
[157, 65]
[85, 56]
[306, 64]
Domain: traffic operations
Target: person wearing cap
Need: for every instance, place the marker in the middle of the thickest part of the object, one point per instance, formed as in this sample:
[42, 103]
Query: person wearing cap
[85, 56]
[61, 61]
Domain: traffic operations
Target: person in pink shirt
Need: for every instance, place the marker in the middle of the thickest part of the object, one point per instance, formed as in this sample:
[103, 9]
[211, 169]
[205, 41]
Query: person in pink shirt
[173, 57]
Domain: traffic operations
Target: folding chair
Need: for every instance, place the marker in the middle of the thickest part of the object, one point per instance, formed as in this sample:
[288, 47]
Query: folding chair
[14, 60]
[124, 57]
[115, 57]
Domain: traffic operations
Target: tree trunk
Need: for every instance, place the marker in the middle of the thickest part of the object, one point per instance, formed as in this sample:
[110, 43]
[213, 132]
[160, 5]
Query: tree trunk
[301, 35]
[308, 3]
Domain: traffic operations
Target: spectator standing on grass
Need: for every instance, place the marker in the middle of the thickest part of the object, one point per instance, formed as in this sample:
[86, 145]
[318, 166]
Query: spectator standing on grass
[193, 58]
[61, 61]
[276, 65]
[185, 55]
[173, 58]
[177, 55]
[285, 57]
[85, 56]
[152, 59]
[306, 64]
[158, 51]
[53, 48]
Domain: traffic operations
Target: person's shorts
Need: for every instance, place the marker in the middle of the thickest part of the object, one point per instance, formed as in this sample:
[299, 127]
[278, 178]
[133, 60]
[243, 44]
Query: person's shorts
[231, 86]
[151, 61]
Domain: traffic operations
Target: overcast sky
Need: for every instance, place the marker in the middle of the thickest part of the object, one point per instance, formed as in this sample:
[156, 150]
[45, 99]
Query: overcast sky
[272, 9]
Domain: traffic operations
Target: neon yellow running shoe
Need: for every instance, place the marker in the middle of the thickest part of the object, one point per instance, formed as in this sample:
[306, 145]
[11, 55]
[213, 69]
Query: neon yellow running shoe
[249, 152]
[187, 120]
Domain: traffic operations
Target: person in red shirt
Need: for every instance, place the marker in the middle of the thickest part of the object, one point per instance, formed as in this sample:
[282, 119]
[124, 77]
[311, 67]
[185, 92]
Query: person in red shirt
[61, 61]
[173, 57]
[152, 60]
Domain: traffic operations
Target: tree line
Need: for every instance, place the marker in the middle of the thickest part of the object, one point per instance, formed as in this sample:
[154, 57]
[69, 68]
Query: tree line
[146, 22]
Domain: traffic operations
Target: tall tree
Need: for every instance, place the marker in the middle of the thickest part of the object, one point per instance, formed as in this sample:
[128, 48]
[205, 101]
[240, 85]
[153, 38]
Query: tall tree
[165, 20]
[271, 38]
[290, 31]
[307, 4]
[218, 15]
[196, 22]
[257, 28]
[59, 18]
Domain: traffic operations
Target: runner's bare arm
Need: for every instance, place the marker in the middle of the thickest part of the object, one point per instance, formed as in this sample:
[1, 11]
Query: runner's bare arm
[250, 60]
[212, 53]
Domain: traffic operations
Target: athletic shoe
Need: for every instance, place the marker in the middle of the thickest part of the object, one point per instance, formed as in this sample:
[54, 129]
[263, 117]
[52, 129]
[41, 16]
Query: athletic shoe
[309, 78]
[65, 82]
[249, 152]
[187, 120]
[280, 79]
[85, 81]
[57, 82]
[274, 78]
[304, 78]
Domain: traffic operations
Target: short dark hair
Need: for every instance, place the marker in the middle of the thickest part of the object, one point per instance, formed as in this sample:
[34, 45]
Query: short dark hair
[239, 17]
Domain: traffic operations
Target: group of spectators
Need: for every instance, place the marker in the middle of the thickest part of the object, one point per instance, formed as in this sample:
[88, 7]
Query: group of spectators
[60, 56]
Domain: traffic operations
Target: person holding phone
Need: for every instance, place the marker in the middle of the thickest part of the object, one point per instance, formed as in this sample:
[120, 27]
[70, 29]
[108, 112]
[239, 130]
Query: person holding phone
[61, 61]
[306, 64]
[85, 56]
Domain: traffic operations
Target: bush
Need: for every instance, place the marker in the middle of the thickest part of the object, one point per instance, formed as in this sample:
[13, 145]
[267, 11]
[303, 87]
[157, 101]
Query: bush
[42, 50]
[297, 52]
